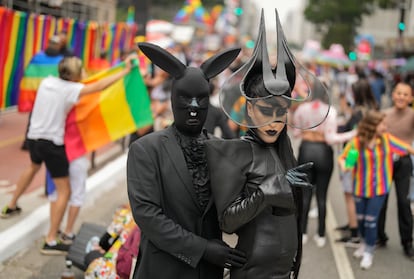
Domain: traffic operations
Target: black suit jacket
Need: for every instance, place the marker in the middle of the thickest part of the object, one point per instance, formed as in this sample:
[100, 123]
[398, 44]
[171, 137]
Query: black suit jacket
[174, 227]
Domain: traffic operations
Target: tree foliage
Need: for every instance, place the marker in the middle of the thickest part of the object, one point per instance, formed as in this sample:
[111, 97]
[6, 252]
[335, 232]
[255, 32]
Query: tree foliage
[338, 20]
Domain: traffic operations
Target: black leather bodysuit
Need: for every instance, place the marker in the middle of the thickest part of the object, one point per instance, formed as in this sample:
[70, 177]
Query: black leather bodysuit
[254, 200]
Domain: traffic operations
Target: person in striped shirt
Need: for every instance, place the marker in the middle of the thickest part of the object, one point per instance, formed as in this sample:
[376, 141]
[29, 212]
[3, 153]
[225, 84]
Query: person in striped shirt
[372, 176]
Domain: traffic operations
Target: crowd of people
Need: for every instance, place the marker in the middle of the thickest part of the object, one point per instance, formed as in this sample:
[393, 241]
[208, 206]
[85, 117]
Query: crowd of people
[219, 158]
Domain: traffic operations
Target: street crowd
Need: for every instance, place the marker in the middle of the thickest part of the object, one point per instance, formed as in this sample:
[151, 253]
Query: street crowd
[205, 167]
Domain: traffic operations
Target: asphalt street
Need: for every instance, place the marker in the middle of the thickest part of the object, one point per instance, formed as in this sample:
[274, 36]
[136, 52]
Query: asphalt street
[331, 261]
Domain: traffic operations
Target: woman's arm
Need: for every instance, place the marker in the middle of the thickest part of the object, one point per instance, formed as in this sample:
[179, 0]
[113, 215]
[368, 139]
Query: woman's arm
[274, 190]
[107, 81]
[331, 128]
[242, 211]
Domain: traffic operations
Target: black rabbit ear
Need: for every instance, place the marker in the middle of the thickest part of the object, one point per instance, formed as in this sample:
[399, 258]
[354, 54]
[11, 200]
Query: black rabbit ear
[217, 63]
[163, 59]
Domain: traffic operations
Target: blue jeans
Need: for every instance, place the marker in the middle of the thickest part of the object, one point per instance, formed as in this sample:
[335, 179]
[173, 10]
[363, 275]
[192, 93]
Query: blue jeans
[368, 210]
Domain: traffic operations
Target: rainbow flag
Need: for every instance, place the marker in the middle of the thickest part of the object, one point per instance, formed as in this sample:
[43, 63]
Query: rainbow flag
[106, 116]
[131, 14]
[40, 66]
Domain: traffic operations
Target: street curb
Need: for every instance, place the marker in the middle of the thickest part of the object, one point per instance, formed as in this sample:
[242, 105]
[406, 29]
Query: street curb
[22, 234]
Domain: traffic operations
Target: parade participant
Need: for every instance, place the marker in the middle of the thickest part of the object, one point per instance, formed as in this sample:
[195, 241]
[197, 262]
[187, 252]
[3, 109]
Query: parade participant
[372, 176]
[65, 50]
[254, 179]
[216, 118]
[168, 181]
[50, 56]
[54, 99]
[403, 114]
[316, 146]
[364, 101]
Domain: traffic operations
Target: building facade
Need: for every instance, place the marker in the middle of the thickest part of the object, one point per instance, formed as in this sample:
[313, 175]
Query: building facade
[96, 10]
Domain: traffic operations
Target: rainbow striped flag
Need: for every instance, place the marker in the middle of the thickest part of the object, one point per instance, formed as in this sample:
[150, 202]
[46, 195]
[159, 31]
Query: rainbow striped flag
[103, 117]
[40, 66]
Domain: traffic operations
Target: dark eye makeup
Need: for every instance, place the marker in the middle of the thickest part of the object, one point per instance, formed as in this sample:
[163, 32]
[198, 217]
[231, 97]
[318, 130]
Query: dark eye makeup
[268, 111]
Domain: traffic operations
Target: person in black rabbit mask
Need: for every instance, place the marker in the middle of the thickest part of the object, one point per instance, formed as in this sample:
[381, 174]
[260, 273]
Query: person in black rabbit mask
[255, 181]
[168, 181]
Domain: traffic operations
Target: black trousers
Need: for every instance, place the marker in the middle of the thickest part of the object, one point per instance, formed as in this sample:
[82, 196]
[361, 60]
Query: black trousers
[321, 154]
[402, 174]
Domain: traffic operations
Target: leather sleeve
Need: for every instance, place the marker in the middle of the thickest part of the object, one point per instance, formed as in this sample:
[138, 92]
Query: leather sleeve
[238, 202]
[250, 203]
[242, 211]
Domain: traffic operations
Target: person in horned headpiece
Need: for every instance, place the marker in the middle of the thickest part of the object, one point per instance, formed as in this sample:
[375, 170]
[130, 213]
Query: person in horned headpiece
[168, 181]
[255, 180]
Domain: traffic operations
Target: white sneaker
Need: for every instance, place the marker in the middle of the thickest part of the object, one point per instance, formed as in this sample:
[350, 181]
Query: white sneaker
[319, 240]
[358, 253]
[313, 213]
[304, 239]
[366, 261]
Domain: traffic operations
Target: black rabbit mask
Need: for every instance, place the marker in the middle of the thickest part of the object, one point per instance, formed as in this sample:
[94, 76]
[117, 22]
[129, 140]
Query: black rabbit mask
[190, 88]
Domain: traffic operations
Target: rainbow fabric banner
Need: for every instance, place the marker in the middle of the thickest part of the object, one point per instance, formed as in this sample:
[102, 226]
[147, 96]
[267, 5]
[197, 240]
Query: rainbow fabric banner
[106, 116]
[23, 35]
[40, 66]
[13, 32]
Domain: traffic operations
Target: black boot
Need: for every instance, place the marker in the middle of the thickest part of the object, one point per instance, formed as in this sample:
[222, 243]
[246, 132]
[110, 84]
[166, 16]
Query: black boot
[382, 242]
[342, 228]
[409, 251]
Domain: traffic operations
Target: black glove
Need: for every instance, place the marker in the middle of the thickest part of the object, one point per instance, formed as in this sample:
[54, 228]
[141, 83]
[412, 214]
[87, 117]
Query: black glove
[277, 191]
[219, 253]
[298, 177]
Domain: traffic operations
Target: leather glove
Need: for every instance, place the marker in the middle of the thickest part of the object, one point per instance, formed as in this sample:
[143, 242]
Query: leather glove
[277, 191]
[298, 177]
[219, 253]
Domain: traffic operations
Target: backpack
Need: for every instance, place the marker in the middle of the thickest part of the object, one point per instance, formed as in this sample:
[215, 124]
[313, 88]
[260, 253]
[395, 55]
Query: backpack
[128, 253]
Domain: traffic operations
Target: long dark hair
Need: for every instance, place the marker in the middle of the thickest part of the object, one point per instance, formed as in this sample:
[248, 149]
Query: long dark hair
[363, 95]
[284, 149]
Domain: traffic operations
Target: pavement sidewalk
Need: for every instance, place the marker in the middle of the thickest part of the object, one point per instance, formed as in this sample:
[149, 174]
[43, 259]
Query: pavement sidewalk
[17, 233]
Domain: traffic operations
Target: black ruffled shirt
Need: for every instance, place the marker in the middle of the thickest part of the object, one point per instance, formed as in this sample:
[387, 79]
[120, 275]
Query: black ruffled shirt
[195, 157]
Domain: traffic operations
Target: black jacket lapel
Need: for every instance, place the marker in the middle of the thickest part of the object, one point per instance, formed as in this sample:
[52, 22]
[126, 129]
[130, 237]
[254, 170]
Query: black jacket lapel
[176, 157]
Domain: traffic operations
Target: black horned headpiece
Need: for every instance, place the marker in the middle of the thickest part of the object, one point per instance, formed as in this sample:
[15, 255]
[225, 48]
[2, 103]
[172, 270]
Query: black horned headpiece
[277, 83]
